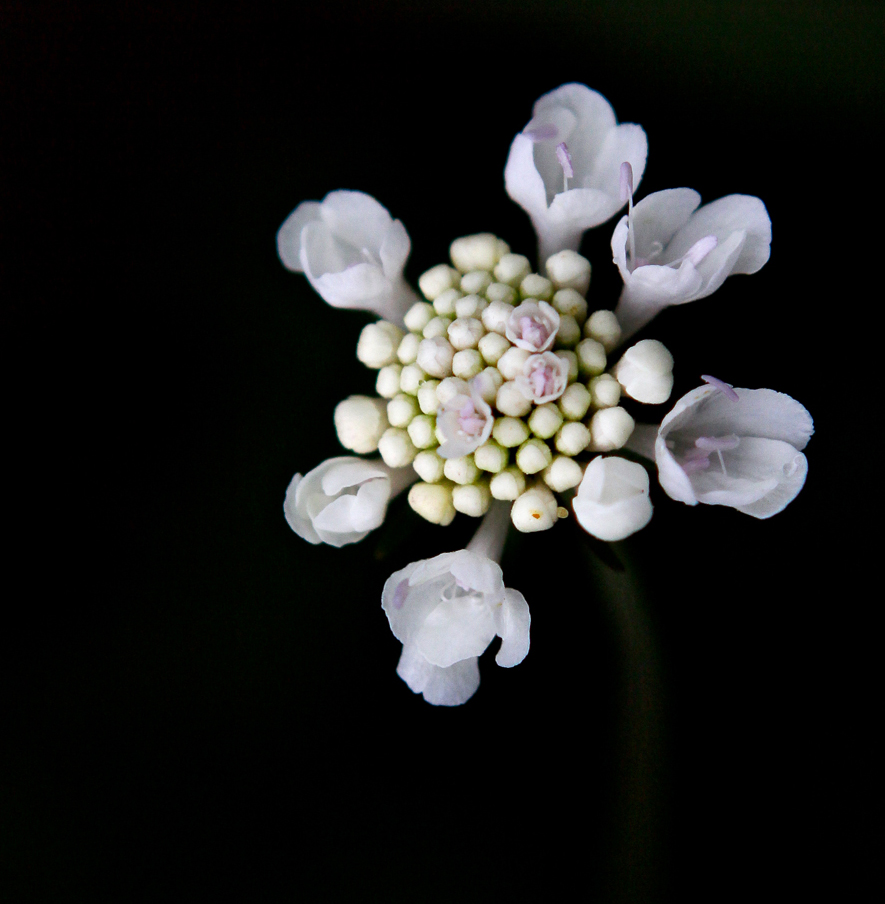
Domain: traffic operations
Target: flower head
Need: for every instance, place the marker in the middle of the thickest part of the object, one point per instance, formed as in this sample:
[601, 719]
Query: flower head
[564, 167]
[352, 252]
[734, 447]
[669, 251]
[448, 609]
[342, 499]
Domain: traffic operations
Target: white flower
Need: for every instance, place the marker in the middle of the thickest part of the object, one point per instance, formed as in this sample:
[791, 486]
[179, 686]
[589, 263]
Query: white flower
[543, 378]
[670, 252]
[533, 326]
[448, 609]
[351, 251]
[612, 500]
[564, 168]
[646, 372]
[342, 499]
[465, 422]
[735, 447]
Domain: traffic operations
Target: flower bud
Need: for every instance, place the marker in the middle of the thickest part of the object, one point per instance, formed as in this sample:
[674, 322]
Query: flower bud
[396, 448]
[487, 383]
[501, 292]
[591, 357]
[562, 474]
[512, 362]
[408, 348]
[436, 280]
[508, 484]
[433, 501]
[462, 470]
[512, 269]
[378, 344]
[646, 372]
[444, 304]
[575, 401]
[360, 422]
[510, 431]
[435, 356]
[428, 401]
[387, 384]
[475, 252]
[605, 391]
[536, 287]
[545, 420]
[467, 363]
[429, 466]
[401, 409]
[603, 326]
[495, 316]
[534, 510]
[475, 282]
[511, 400]
[568, 301]
[572, 438]
[451, 387]
[569, 270]
[612, 501]
[473, 500]
[571, 359]
[411, 377]
[491, 456]
[418, 316]
[470, 306]
[533, 455]
[492, 346]
[465, 332]
[610, 428]
[422, 431]
[437, 326]
[569, 333]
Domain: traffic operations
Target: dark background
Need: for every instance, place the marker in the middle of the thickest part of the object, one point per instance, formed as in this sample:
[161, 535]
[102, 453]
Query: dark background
[196, 700]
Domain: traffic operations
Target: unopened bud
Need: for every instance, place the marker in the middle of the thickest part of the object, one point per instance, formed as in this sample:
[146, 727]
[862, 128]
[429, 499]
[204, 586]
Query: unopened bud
[568, 301]
[508, 484]
[437, 280]
[511, 401]
[501, 292]
[646, 372]
[401, 409]
[387, 384]
[473, 500]
[422, 431]
[574, 403]
[418, 316]
[411, 377]
[378, 344]
[437, 326]
[475, 252]
[591, 357]
[360, 421]
[603, 326]
[396, 448]
[429, 466]
[462, 470]
[545, 420]
[408, 348]
[470, 306]
[605, 391]
[569, 333]
[610, 428]
[512, 269]
[535, 286]
[428, 400]
[533, 455]
[467, 363]
[433, 501]
[491, 456]
[562, 474]
[534, 510]
[510, 431]
[569, 270]
[465, 332]
[435, 356]
[475, 282]
[492, 346]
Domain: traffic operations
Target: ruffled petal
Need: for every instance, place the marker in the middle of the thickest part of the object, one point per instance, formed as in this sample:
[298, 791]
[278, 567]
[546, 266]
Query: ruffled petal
[522, 180]
[358, 219]
[512, 624]
[359, 286]
[450, 686]
[479, 573]
[289, 234]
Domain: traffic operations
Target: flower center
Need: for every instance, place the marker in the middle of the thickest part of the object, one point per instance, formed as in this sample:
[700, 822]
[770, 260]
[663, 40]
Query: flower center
[565, 161]
[697, 458]
[470, 421]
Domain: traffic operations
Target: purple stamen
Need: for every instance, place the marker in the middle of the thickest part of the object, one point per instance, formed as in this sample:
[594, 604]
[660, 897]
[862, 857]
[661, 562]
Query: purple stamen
[565, 160]
[469, 421]
[700, 249]
[718, 443]
[542, 133]
[722, 387]
[626, 181]
[533, 332]
[695, 464]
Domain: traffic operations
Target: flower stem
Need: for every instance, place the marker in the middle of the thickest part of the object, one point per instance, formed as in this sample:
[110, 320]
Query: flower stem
[489, 539]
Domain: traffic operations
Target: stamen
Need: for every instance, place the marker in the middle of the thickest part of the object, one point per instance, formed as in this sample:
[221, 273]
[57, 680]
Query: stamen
[627, 195]
[565, 161]
[718, 443]
[722, 387]
[542, 133]
[700, 249]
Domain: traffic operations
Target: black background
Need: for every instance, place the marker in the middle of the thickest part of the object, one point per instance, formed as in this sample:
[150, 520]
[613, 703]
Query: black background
[196, 700]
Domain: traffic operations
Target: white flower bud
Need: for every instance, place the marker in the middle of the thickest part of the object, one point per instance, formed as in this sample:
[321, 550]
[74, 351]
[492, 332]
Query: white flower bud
[437, 279]
[603, 326]
[545, 420]
[612, 501]
[473, 500]
[419, 315]
[569, 270]
[646, 372]
[401, 409]
[461, 470]
[475, 252]
[360, 422]
[487, 383]
[465, 332]
[491, 457]
[411, 377]
[429, 466]
[475, 282]
[451, 387]
[470, 306]
[467, 363]
[568, 301]
[512, 269]
[387, 384]
[572, 438]
[537, 287]
[610, 428]
[396, 448]
[605, 391]
[533, 455]
[510, 431]
[574, 403]
[512, 362]
[428, 400]
[511, 401]
[437, 326]
[378, 344]
[492, 346]
[408, 348]
[569, 333]
[496, 316]
[591, 357]
[501, 292]
[571, 359]
[444, 304]
[433, 501]
[422, 431]
[534, 510]
[508, 484]
[562, 474]
[435, 356]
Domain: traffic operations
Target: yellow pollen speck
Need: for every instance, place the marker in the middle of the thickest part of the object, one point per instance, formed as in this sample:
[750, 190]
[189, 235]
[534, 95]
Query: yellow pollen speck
[536, 515]
[562, 512]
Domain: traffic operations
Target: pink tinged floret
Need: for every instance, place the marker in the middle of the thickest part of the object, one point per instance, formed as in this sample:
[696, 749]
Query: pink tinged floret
[722, 387]
[470, 421]
[533, 331]
[543, 380]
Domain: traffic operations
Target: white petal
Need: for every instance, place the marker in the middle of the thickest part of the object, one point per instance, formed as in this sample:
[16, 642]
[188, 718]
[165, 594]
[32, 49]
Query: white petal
[659, 216]
[394, 251]
[512, 623]
[674, 481]
[480, 574]
[795, 472]
[625, 143]
[593, 116]
[522, 180]
[360, 286]
[298, 520]
[719, 264]
[358, 219]
[289, 234]
[612, 500]
[456, 629]
[442, 687]
[582, 208]
[406, 606]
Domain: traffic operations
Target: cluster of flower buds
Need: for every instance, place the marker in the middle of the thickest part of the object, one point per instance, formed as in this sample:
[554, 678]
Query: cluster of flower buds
[500, 387]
